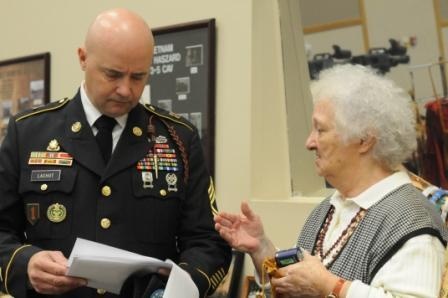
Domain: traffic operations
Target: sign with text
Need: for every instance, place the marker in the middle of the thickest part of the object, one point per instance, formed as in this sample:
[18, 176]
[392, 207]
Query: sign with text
[182, 77]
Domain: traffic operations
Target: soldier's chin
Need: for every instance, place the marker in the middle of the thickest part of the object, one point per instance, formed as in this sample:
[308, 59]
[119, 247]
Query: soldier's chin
[118, 109]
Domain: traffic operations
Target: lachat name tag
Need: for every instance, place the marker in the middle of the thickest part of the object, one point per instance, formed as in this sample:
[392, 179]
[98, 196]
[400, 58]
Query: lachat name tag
[45, 175]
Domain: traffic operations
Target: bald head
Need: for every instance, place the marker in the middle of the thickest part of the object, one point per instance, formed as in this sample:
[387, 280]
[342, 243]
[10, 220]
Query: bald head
[116, 59]
[118, 26]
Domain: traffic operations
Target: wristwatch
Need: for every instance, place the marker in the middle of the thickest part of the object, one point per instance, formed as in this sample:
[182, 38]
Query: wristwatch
[337, 289]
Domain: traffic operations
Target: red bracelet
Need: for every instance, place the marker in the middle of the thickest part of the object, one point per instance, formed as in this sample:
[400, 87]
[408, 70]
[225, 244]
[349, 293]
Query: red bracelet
[335, 293]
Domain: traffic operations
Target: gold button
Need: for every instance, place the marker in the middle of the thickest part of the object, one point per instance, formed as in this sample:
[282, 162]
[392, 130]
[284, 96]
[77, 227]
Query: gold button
[163, 192]
[76, 127]
[105, 223]
[101, 291]
[106, 191]
[137, 131]
[44, 187]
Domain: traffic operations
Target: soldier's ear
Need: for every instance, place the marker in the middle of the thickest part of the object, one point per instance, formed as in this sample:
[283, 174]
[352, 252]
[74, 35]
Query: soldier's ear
[82, 56]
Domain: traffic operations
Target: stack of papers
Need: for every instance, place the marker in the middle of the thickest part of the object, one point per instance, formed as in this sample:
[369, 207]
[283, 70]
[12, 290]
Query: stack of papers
[106, 267]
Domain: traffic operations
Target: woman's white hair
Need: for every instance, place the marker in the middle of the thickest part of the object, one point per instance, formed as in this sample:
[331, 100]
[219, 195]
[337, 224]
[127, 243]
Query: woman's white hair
[367, 104]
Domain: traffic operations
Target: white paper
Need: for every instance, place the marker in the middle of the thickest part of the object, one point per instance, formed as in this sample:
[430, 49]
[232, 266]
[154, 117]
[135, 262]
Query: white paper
[180, 284]
[107, 267]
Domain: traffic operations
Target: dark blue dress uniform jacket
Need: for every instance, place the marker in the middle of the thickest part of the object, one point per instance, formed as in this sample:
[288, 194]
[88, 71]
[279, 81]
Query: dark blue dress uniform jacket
[178, 225]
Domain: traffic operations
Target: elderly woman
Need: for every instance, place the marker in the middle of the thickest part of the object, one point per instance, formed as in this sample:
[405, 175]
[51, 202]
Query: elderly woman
[377, 235]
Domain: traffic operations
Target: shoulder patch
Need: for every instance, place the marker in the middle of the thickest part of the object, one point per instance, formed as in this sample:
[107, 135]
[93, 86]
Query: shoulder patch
[42, 109]
[168, 115]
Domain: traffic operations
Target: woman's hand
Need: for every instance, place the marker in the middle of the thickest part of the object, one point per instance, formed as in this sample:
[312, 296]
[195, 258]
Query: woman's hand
[307, 278]
[242, 231]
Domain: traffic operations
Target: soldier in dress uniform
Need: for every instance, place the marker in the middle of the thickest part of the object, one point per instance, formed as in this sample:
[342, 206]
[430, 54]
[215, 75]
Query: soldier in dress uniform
[153, 196]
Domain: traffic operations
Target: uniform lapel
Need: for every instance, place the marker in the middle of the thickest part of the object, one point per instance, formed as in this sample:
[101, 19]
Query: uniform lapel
[133, 144]
[78, 139]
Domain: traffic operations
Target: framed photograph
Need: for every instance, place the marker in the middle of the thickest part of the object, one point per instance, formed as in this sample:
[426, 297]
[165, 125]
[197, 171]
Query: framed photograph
[193, 55]
[250, 289]
[24, 84]
[183, 71]
[229, 287]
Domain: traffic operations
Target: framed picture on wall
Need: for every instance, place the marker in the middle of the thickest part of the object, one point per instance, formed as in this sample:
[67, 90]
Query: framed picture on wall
[182, 77]
[24, 84]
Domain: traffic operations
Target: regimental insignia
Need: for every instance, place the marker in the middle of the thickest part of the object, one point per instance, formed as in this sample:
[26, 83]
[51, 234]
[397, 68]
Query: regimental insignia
[147, 180]
[32, 213]
[137, 131]
[171, 179]
[161, 140]
[56, 212]
[53, 146]
[76, 127]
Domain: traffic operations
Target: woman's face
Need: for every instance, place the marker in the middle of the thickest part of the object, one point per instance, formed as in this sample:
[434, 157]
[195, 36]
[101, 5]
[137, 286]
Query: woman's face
[333, 156]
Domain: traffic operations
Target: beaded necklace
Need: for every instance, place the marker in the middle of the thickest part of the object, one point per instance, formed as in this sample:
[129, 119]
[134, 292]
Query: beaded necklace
[330, 256]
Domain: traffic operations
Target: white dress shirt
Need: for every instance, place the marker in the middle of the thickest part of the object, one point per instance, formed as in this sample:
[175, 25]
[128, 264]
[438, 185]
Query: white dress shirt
[415, 270]
[92, 114]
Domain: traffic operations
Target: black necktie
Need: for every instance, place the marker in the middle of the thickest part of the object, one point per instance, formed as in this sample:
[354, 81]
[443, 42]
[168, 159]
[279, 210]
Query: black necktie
[105, 124]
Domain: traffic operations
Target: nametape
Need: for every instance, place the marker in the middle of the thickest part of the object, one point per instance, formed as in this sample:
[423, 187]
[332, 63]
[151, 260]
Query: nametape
[46, 175]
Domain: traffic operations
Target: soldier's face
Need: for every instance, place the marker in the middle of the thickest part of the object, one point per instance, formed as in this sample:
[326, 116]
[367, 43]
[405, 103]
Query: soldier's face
[115, 78]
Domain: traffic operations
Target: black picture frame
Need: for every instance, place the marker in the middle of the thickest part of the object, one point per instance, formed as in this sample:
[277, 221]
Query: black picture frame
[24, 84]
[230, 285]
[182, 77]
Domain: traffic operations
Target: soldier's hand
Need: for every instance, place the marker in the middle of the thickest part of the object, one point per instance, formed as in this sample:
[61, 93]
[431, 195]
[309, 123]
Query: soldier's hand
[46, 273]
